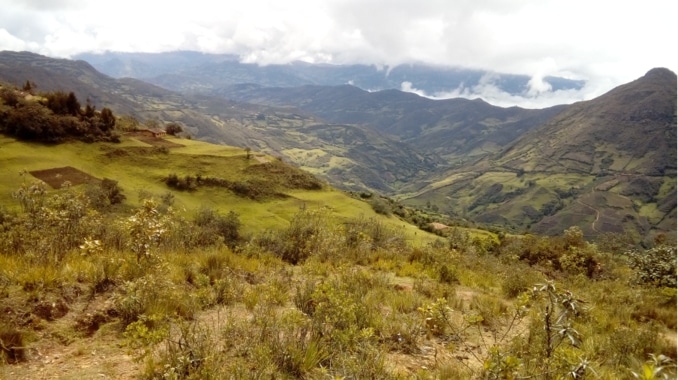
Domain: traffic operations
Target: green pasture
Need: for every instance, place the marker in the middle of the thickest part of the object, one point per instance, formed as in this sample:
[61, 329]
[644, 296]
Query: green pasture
[140, 171]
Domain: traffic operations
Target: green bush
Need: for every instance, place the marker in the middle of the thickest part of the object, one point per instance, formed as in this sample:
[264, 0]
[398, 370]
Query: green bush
[656, 266]
[380, 206]
[188, 353]
[152, 296]
[447, 276]
[107, 193]
[147, 228]
[50, 225]
[517, 281]
[188, 183]
[309, 234]
[214, 224]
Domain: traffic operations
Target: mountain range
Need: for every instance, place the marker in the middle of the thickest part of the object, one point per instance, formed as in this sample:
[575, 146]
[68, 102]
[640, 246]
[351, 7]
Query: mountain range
[605, 165]
[187, 71]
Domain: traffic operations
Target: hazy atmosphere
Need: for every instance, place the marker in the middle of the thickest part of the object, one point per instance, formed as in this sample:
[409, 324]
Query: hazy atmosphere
[605, 43]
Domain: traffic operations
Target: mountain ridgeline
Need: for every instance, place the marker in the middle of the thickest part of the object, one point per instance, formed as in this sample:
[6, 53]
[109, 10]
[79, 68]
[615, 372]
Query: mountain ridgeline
[608, 165]
[605, 165]
[453, 129]
[187, 71]
[380, 160]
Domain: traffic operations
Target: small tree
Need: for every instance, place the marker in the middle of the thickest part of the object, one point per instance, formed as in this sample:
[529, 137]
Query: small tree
[90, 109]
[173, 129]
[248, 152]
[146, 228]
[112, 191]
[107, 119]
[560, 309]
[72, 104]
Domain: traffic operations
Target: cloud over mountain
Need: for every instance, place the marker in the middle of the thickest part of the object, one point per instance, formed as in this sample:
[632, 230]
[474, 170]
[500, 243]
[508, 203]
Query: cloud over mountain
[604, 42]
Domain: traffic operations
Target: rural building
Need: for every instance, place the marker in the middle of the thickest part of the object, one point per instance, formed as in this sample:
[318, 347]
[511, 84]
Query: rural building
[154, 132]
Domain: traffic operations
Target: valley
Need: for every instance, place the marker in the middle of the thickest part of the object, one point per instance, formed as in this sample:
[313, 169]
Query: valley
[135, 250]
[421, 151]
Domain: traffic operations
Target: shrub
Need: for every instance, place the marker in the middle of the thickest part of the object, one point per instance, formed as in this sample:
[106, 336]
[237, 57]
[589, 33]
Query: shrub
[459, 239]
[569, 253]
[380, 206]
[106, 194]
[11, 345]
[339, 316]
[50, 226]
[9, 96]
[152, 296]
[447, 276]
[517, 282]
[112, 191]
[438, 317]
[146, 228]
[214, 224]
[188, 352]
[173, 129]
[656, 266]
[188, 183]
[308, 234]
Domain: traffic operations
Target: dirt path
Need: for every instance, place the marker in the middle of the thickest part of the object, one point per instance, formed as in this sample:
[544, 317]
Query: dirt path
[94, 358]
[58, 349]
[593, 224]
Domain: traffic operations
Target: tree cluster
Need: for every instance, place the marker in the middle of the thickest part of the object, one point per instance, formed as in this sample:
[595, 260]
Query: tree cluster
[53, 117]
[173, 129]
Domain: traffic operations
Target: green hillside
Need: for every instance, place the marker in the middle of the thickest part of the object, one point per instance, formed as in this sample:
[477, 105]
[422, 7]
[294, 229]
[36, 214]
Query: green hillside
[607, 165]
[140, 169]
[126, 253]
[453, 130]
[354, 157]
[302, 282]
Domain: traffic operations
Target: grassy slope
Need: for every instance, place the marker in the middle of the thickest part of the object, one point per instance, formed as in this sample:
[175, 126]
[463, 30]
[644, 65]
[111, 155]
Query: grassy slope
[390, 289]
[138, 169]
[609, 162]
[617, 202]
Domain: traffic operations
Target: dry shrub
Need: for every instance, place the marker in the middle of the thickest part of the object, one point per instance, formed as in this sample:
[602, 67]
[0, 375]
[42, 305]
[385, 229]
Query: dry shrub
[12, 348]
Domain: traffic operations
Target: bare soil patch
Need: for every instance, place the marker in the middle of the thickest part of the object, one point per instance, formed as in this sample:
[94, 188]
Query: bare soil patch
[56, 177]
[66, 340]
[439, 226]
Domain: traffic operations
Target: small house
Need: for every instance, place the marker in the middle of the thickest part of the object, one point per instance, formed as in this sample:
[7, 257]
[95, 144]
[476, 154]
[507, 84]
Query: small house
[154, 132]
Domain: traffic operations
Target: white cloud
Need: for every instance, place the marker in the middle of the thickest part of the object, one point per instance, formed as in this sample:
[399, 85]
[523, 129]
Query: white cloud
[10, 42]
[598, 41]
[408, 87]
[539, 94]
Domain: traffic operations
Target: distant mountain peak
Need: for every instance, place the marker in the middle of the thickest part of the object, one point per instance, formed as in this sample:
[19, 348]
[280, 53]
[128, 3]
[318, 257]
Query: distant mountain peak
[660, 73]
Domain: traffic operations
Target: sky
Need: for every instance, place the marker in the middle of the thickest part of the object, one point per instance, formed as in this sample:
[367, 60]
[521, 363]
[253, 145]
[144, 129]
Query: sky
[604, 42]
